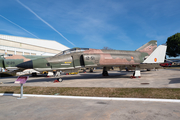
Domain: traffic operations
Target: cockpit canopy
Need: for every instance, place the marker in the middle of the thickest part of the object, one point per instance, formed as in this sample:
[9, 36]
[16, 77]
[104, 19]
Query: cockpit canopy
[68, 51]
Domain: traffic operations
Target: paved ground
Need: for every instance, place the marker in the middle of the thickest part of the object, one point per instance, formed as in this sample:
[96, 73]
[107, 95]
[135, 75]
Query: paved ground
[163, 78]
[73, 109]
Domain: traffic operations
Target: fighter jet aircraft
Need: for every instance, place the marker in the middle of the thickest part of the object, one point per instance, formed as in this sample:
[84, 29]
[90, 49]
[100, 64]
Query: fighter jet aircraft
[149, 55]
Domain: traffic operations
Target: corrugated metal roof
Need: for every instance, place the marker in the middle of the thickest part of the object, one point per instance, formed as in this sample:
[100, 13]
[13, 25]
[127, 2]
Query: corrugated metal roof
[37, 42]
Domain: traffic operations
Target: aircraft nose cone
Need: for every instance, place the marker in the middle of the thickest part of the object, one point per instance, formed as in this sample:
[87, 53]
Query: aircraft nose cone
[26, 65]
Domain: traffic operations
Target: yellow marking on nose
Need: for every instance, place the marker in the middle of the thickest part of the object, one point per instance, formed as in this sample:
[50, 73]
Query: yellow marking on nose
[67, 62]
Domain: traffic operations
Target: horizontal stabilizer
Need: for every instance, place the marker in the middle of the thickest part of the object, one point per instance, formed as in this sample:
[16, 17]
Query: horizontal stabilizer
[157, 56]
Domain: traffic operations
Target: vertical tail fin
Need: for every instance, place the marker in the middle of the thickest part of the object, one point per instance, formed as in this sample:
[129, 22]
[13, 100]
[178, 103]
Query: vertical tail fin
[148, 48]
[158, 55]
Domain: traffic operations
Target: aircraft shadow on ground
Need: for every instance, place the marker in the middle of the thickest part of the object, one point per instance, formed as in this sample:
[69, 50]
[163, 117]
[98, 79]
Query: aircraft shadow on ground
[83, 76]
[174, 80]
[8, 77]
[44, 79]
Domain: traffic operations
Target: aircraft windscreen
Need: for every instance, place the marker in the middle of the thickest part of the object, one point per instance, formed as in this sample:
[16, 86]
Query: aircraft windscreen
[72, 51]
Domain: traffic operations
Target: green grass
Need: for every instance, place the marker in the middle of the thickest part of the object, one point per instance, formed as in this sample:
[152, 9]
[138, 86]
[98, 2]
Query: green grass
[163, 93]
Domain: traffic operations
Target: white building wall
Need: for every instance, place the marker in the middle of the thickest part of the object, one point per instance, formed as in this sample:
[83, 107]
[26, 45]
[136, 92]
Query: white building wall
[17, 45]
[17, 50]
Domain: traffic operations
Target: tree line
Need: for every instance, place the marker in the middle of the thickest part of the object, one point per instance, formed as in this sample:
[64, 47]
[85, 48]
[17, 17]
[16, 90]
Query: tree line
[173, 45]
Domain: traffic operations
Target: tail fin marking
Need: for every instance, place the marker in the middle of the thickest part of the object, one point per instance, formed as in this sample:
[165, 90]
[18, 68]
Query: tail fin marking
[157, 56]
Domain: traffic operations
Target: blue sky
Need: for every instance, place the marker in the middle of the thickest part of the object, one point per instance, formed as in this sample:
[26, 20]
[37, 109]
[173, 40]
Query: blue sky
[117, 24]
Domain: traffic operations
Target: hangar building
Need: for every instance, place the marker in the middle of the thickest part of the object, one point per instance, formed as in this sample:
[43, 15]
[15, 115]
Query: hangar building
[29, 46]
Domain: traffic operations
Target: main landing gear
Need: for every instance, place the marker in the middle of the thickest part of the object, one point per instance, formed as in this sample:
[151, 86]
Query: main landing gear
[59, 79]
[136, 74]
[105, 72]
[58, 74]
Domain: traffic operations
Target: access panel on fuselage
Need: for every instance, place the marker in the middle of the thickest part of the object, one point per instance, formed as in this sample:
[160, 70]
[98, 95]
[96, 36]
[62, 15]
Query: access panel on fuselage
[62, 62]
[91, 60]
[77, 61]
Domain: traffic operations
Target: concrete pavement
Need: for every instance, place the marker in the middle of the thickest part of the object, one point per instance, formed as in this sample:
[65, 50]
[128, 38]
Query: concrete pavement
[163, 78]
[73, 109]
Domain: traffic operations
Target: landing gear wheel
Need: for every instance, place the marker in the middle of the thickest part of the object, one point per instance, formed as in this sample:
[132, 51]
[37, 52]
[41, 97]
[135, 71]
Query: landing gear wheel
[84, 71]
[34, 74]
[105, 72]
[91, 70]
[60, 79]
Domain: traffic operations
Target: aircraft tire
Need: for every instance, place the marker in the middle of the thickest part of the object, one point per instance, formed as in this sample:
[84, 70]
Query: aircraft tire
[34, 74]
[59, 79]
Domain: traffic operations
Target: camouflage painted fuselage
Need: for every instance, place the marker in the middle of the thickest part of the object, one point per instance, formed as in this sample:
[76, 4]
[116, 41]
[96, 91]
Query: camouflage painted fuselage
[88, 58]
